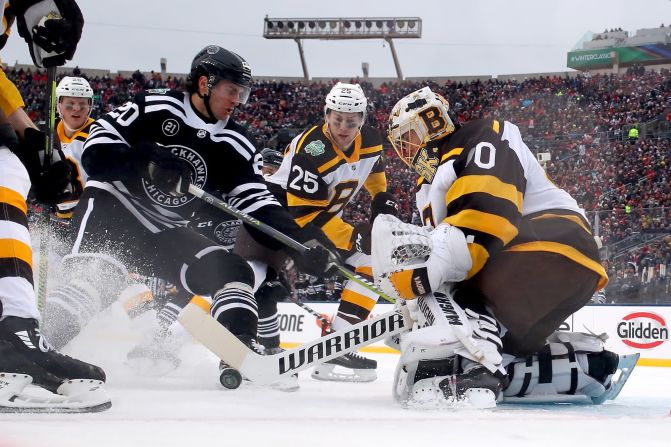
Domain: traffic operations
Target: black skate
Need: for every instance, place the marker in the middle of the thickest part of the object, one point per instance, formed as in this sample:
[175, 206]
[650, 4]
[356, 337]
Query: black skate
[357, 369]
[478, 386]
[26, 357]
[436, 386]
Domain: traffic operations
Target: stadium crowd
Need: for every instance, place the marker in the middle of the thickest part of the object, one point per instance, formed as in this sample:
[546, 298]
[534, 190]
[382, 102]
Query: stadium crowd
[583, 122]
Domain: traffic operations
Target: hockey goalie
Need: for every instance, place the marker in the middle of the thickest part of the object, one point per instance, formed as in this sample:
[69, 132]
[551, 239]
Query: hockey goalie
[503, 258]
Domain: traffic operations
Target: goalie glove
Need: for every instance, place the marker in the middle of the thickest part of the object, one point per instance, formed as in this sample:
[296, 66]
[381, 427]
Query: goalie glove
[409, 261]
[450, 259]
[52, 29]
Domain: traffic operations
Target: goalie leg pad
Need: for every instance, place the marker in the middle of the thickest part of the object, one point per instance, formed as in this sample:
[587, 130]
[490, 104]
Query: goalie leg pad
[570, 364]
[448, 352]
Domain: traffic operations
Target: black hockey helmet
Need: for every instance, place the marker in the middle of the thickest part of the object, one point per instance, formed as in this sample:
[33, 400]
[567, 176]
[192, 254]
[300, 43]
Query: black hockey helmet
[218, 64]
[271, 157]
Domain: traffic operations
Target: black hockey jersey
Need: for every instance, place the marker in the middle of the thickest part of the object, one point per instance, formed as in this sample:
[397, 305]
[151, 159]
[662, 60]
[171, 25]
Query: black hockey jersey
[221, 157]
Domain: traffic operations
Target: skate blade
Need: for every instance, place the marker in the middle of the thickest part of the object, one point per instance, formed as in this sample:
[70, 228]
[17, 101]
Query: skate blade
[88, 396]
[18, 406]
[625, 367]
[326, 372]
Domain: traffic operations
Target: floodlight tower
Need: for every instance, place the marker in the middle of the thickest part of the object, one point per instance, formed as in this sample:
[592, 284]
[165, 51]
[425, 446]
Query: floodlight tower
[387, 28]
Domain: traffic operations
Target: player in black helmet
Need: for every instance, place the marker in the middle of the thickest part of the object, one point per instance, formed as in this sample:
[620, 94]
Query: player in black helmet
[134, 211]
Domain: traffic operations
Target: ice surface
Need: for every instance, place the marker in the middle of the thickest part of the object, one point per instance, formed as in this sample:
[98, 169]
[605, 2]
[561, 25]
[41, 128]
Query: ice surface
[188, 407]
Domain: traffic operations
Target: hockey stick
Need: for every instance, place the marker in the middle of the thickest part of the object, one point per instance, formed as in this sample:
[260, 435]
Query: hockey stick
[270, 231]
[46, 163]
[267, 369]
[311, 311]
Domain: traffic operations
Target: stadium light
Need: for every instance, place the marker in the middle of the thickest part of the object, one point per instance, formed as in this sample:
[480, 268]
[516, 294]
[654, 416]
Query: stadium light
[387, 28]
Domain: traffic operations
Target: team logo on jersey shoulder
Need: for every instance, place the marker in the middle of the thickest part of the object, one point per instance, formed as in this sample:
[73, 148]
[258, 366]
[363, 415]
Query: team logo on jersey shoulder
[158, 91]
[170, 127]
[227, 231]
[202, 133]
[315, 148]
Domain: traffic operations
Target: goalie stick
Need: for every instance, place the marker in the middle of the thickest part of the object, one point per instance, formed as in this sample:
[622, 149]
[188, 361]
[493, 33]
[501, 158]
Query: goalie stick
[270, 231]
[268, 369]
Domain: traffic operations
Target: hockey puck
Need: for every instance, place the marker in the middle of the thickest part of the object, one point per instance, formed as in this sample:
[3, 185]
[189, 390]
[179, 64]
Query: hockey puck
[230, 378]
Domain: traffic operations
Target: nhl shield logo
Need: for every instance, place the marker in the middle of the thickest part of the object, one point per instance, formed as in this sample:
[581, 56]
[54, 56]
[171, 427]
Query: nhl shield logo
[315, 148]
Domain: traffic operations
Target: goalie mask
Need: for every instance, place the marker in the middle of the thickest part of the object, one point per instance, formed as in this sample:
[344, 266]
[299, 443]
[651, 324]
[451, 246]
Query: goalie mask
[416, 120]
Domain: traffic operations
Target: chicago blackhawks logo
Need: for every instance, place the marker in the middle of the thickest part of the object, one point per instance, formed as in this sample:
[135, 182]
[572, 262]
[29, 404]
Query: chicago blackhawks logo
[227, 231]
[198, 168]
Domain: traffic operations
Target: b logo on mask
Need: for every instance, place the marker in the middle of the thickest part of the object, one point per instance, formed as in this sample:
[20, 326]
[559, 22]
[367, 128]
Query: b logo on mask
[433, 119]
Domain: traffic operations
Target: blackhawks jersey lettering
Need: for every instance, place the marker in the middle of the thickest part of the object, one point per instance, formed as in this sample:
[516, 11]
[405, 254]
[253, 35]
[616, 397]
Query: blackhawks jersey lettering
[318, 179]
[489, 184]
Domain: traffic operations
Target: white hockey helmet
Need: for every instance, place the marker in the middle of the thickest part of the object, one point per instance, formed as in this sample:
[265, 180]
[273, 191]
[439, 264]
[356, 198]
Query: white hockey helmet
[426, 114]
[72, 86]
[347, 98]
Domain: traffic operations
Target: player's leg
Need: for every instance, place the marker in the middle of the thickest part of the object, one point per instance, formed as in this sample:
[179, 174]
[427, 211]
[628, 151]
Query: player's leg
[571, 367]
[356, 303]
[26, 356]
[554, 287]
[452, 355]
[270, 292]
[94, 274]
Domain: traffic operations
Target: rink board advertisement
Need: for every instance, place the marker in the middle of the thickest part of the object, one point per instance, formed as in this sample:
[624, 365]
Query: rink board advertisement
[630, 329]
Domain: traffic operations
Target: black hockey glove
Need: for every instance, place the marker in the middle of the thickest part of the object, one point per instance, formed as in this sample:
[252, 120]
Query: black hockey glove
[30, 145]
[50, 186]
[384, 203]
[317, 260]
[8, 137]
[52, 29]
[169, 173]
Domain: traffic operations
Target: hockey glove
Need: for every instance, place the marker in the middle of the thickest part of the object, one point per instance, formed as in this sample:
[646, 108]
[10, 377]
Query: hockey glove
[52, 29]
[8, 137]
[169, 173]
[450, 259]
[51, 184]
[317, 260]
[30, 145]
[384, 203]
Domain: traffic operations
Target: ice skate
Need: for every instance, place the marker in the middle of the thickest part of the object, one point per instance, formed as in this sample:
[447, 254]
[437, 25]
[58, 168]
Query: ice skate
[350, 368]
[26, 358]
